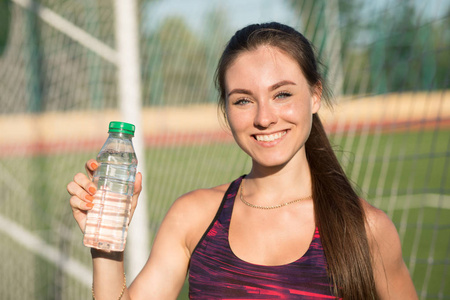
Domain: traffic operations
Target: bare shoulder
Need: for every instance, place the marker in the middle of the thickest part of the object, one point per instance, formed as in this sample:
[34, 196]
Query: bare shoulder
[392, 278]
[199, 202]
[196, 210]
[202, 196]
[378, 223]
[382, 234]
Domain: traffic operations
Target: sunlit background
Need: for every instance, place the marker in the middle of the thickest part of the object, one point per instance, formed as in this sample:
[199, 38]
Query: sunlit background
[69, 67]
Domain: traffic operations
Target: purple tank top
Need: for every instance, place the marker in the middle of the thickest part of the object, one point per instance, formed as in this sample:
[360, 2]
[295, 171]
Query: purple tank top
[216, 273]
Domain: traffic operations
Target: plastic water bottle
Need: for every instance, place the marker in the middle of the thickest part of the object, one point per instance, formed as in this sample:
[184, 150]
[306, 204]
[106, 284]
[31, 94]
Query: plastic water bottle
[107, 222]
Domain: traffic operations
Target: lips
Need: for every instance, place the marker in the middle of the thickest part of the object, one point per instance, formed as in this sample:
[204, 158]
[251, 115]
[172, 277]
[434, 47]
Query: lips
[269, 137]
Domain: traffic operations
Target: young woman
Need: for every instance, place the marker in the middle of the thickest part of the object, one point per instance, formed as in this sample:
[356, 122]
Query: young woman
[292, 228]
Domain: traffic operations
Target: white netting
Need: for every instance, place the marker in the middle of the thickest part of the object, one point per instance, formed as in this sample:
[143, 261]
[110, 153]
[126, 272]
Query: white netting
[387, 63]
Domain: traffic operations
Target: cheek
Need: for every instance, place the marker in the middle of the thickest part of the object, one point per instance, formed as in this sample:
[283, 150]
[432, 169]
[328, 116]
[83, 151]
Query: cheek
[298, 114]
[237, 125]
[239, 118]
[234, 120]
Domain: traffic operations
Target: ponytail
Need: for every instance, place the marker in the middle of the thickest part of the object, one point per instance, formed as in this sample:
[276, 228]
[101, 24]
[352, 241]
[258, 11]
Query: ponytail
[341, 220]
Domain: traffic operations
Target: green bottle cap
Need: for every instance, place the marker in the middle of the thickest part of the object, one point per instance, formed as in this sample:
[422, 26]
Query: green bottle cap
[121, 127]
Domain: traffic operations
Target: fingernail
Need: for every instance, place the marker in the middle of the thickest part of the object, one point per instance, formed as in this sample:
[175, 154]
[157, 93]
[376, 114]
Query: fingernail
[92, 190]
[89, 198]
[90, 205]
[94, 166]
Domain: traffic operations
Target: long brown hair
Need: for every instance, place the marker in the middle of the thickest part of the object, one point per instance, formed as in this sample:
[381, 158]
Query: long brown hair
[337, 207]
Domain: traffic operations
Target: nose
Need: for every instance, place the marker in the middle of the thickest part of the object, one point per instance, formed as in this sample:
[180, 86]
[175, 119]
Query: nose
[265, 116]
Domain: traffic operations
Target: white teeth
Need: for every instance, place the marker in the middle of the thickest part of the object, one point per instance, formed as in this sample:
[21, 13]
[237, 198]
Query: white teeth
[270, 137]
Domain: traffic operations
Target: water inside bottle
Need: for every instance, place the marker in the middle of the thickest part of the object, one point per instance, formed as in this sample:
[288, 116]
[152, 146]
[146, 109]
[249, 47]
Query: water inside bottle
[107, 222]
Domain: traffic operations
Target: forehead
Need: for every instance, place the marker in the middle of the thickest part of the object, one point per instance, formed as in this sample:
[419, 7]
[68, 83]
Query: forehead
[261, 67]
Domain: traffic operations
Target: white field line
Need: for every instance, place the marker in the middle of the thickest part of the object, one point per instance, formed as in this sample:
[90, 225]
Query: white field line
[48, 252]
[413, 201]
[35, 244]
[71, 30]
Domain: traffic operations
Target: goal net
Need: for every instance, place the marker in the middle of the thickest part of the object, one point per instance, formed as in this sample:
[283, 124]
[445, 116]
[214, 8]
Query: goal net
[61, 82]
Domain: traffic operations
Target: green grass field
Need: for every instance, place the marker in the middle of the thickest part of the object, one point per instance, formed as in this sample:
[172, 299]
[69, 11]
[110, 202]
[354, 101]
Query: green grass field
[405, 174]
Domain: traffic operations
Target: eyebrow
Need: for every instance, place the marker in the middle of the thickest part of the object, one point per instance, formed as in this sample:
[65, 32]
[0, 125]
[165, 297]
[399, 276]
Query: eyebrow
[271, 88]
[280, 84]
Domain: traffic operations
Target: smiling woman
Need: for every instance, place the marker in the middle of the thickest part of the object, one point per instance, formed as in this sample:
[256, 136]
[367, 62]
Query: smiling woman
[270, 106]
[299, 230]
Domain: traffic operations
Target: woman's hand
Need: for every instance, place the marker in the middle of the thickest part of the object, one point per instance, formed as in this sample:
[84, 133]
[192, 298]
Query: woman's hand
[82, 190]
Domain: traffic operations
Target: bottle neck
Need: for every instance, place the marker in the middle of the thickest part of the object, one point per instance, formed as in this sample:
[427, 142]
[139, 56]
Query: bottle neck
[121, 135]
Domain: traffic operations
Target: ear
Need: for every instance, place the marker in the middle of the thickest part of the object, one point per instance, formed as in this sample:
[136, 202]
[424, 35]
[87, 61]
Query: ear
[316, 97]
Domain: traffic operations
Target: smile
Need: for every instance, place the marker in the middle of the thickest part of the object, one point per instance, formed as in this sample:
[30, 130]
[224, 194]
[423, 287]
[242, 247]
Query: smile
[269, 137]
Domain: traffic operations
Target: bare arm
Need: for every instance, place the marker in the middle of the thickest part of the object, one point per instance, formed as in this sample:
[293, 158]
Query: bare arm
[392, 278]
[161, 278]
[165, 271]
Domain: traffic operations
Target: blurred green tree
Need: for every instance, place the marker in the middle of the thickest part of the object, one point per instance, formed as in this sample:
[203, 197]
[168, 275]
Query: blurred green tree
[388, 49]
[410, 51]
[175, 67]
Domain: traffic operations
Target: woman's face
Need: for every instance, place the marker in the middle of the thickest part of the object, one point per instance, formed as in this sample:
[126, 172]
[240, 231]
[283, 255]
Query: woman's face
[269, 105]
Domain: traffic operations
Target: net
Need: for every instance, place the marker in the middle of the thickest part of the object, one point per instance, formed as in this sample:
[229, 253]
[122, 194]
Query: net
[387, 64]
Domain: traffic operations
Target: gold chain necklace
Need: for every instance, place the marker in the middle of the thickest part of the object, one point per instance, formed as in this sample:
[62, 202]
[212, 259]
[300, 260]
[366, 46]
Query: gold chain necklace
[241, 196]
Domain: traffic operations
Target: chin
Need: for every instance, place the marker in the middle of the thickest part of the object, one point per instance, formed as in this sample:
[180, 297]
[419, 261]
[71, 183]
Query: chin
[270, 163]
[277, 159]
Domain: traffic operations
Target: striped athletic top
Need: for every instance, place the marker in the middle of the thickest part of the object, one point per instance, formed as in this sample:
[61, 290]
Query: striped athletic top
[216, 273]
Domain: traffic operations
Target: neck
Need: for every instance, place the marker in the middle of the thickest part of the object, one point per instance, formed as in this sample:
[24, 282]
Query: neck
[286, 182]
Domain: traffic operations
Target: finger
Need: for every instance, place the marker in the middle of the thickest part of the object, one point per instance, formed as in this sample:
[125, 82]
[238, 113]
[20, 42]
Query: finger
[85, 183]
[78, 204]
[79, 211]
[75, 190]
[90, 166]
